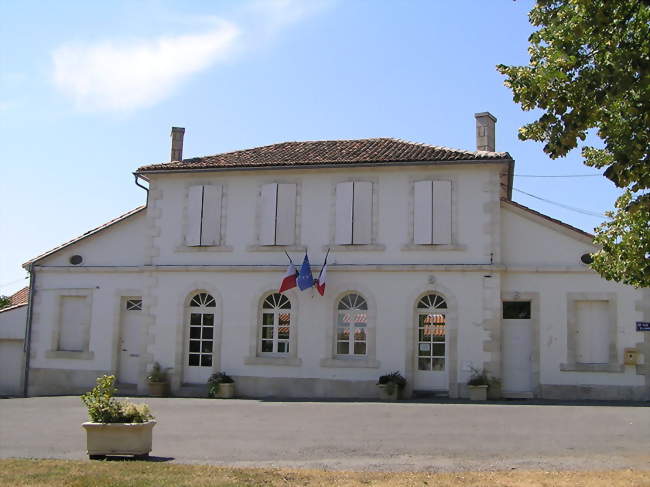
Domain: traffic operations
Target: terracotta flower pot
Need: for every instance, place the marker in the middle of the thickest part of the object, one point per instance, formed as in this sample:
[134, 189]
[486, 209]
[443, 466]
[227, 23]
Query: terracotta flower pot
[158, 389]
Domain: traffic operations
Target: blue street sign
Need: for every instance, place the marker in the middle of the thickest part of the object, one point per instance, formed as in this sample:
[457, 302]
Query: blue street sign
[643, 326]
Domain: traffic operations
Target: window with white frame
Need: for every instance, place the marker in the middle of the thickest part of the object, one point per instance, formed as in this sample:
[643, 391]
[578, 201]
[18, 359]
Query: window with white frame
[352, 326]
[278, 214]
[432, 212]
[353, 213]
[432, 331]
[275, 329]
[201, 331]
[203, 215]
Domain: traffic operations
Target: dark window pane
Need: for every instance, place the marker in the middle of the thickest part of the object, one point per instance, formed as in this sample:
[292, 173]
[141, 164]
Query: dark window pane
[195, 319]
[438, 364]
[359, 348]
[208, 320]
[267, 346]
[516, 310]
[343, 334]
[424, 364]
[207, 333]
[343, 348]
[283, 332]
[283, 347]
[194, 359]
[206, 347]
[267, 319]
[267, 332]
[206, 360]
[438, 349]
[195, 346]
[195, 332]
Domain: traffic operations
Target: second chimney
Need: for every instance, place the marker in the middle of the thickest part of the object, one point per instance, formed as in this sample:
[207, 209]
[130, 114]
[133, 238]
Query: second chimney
[485, 123]
[177, 143]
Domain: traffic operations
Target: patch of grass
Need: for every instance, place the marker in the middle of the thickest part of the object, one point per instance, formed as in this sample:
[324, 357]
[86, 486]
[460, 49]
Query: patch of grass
[46, 473]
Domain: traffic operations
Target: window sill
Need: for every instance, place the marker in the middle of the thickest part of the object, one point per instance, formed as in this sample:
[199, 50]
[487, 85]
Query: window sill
[350, 363]
[429, 247]
[577, 367]
[286, 361]
[85, 355]
[204, 248]
[354, 247]
[276, 248]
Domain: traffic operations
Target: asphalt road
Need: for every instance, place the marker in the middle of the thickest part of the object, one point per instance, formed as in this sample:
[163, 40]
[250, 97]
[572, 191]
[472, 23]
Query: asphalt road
[400, 436]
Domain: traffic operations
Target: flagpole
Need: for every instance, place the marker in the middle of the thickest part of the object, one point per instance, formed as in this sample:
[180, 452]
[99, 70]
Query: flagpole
[285, 253]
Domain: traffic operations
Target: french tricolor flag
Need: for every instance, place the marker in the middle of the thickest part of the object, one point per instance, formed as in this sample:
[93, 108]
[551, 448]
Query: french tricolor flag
[322, 277]
[289, 279]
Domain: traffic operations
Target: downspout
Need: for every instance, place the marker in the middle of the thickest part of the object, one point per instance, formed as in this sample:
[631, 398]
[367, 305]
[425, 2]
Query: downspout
[137, 176]
[28, 327]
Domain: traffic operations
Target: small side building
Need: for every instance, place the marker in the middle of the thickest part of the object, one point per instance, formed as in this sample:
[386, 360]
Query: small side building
[12, 341]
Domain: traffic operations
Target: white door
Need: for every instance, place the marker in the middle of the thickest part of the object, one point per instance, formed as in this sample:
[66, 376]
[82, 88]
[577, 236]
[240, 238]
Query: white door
[517, 350]
[199, 340]
[130, 339]
[431, 367]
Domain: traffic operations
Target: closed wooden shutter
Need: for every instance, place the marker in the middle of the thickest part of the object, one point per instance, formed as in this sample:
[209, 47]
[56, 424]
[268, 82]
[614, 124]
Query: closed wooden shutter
[194, 210]
[268, 214]
[592, 332]
[74, 315]
[344, 199]
[285, 229]
[211, 222]
[422, 213]
[441, 212]
[362, 213]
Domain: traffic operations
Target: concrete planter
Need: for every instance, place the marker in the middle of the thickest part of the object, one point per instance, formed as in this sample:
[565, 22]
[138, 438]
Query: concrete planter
[226, 391]
[494, 391]
[477, 393]
[388, 392]
[118, 439]
[158, 389]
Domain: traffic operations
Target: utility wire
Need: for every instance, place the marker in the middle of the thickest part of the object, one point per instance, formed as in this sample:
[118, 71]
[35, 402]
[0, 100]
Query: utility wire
[566, 207]
[558, 175]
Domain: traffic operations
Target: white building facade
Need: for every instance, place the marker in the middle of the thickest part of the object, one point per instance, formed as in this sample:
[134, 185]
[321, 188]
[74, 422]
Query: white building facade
[433, 271]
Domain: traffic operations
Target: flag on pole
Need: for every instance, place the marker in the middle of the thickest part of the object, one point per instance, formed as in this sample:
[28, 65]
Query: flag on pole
[289, 279]
[305, 279]
[322, 277]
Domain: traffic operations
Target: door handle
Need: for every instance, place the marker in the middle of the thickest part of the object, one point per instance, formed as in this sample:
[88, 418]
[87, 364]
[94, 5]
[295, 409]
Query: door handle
[124, 350]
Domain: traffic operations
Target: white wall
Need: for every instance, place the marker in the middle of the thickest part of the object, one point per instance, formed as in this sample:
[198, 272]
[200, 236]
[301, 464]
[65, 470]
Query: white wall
[12, 323]
[12, 334]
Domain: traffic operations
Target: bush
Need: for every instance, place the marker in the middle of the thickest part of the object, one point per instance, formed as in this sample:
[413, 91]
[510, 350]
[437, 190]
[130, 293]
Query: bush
[215, 380]
[478, 378]
[104, 408]
[391, 381]
[157, 374]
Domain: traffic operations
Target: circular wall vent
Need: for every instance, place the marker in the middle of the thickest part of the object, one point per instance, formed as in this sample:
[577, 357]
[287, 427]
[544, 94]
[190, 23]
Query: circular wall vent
[76, 259]
[586, 258]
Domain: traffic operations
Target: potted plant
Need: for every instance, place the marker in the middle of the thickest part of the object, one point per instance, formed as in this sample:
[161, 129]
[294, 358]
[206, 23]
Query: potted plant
[221, 385]
[390, 386]
[115, 427]
[494, 388]
[157, 380]
[477, 385]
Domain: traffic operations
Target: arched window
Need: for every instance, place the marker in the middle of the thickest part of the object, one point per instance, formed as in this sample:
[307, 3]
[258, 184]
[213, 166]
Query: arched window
[432, 331]
[201, 333]
[352, 325]
[276, 324]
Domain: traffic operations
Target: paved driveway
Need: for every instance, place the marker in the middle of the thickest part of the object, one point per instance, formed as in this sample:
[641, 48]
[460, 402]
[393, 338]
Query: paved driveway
[353, 435]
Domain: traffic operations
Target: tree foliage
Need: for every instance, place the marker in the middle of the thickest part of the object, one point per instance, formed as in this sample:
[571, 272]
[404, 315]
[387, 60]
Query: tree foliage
[4, 301]
[590, 69]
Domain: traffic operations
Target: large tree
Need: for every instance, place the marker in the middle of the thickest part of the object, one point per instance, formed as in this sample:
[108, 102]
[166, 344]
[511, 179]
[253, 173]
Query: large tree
[589, 69]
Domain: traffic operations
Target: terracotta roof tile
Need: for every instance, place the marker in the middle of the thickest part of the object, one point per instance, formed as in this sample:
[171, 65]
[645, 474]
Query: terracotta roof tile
[19, 297]
[330, 152]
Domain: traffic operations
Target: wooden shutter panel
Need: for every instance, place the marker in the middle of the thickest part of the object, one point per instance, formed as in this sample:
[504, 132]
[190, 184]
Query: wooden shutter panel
[268, 214]
[194, 208]
[362, 213]
[441, 212]
[74, 315]
[211, 223]
[422, 213]
[285, 229]
[344, 198]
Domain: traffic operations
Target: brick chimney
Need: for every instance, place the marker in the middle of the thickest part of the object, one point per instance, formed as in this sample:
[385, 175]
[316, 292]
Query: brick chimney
[485, 123]
[177, 143]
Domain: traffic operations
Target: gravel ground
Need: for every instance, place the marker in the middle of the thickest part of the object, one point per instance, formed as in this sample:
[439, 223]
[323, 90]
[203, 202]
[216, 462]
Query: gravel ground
[364, 436]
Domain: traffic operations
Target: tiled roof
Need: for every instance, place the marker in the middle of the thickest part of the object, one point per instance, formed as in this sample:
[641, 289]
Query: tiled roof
[19, 297]
[546, 217]
[330, 152]
[85, 235]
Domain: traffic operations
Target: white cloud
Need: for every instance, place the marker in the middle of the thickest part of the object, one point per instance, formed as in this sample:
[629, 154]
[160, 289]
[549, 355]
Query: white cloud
[123, 76]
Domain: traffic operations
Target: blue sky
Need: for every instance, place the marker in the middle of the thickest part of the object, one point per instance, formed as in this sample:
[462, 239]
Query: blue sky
[89, 91]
